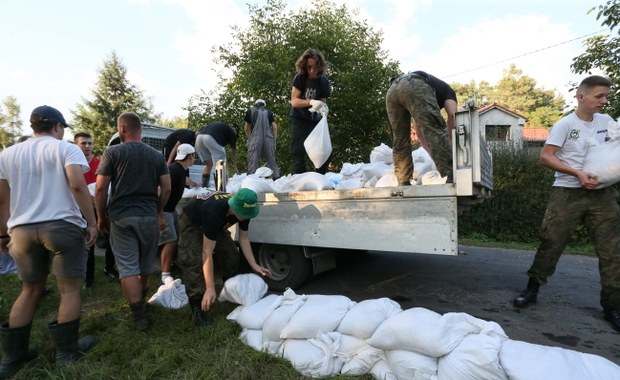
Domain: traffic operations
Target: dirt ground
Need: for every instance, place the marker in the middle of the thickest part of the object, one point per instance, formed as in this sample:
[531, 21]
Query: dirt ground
[482, 282]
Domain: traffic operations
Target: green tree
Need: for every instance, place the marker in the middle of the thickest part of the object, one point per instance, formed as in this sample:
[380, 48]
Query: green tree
[9, 121]
[520, 93]
[113, 94]
[603, 53]
[517, 92]
[262, 63]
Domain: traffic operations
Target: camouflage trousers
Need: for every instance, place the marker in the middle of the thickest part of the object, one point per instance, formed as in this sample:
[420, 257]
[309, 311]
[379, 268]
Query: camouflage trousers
[409, 97]
[226, 256]
[599, 212]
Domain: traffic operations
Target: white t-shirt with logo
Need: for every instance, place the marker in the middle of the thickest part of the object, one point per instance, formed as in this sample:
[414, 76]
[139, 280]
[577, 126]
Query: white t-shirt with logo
[573, 135]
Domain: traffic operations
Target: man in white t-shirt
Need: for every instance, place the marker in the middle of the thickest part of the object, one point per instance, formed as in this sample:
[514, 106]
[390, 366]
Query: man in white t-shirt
[47, 215]
[575, 199]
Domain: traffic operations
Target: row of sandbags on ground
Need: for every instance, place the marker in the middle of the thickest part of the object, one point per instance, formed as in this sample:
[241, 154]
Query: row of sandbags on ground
[326, 335]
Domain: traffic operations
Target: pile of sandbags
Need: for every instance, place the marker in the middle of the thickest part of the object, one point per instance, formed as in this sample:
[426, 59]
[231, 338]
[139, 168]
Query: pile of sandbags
[326, 335]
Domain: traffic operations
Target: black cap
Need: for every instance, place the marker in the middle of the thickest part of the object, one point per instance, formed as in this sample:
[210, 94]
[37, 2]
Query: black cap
[47, 114]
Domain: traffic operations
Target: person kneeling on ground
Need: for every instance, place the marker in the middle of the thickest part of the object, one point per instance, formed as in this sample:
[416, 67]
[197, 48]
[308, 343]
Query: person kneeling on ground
[203, 227]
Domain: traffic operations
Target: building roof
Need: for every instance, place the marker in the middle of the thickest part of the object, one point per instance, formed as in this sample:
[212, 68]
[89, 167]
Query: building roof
[491, 106]
[535, 134]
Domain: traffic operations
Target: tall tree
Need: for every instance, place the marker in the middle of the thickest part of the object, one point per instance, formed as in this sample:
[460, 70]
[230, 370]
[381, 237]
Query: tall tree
[520, 93]
[262, 62]
[113, 94]
[603, 53]
[9, 121]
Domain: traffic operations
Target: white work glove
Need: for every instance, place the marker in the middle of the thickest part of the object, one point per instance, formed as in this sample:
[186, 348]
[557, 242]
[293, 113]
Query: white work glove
[316, 105]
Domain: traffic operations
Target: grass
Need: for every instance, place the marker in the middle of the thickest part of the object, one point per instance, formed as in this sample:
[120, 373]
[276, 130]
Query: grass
[483, 241]
[170, 349]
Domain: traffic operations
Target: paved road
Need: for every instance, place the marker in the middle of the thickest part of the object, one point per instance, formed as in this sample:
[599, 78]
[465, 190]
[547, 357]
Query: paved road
[482, 282]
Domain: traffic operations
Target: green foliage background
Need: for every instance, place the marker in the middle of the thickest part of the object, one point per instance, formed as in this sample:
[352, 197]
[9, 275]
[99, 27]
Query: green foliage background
[520, 195]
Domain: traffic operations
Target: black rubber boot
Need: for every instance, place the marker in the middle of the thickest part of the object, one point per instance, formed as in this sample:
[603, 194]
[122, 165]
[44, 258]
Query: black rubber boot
[205, 180]
[15, 351]
[199, 317]
[529, 295]
[69, 346]
[140, 315]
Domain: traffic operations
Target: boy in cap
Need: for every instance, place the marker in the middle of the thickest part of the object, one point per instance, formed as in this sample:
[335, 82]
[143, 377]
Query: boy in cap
[203, 227]
[49, 227]
[168, 236]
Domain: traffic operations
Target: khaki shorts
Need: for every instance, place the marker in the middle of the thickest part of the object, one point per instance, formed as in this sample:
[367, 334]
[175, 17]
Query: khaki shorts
[59, 244]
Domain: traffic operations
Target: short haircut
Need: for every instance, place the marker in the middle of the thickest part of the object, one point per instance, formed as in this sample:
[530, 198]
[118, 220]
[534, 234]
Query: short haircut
[593, 81]
[85, 135]
[130, 120]
[38, 125]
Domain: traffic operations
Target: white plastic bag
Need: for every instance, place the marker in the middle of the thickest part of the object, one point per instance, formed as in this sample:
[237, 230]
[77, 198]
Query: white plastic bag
[318, 143]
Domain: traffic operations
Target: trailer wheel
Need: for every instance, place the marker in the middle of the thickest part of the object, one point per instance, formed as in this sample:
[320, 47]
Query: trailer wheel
[288, 265]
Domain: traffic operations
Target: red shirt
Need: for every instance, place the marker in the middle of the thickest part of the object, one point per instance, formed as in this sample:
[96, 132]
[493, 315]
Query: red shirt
[90, 175]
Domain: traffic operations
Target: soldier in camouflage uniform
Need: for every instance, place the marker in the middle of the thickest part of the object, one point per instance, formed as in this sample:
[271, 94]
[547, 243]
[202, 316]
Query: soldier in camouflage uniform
[420, 96]
[204, 235]
[577, 198]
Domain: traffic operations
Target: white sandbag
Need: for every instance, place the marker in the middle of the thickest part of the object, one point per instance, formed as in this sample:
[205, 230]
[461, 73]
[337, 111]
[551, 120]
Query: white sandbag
[318, 144]
[411, 365]
[263, 172]
[426, 332]
[314, 357]
[371, 182]
[253, 316]
[358, 357]
[350, 170]
[382, 371]
[243, 289]
[363, 318]
[277, 320]
[258, 184]
[351, 183]
[170, 295]
[310, 181]
[476, 357]
[377, 169]
[388, 180]
[553, 363]
[382, 153]
[194, 192]
[433, 177]
[319, 314]
[253, 338]
[422, 163]
[603, 160]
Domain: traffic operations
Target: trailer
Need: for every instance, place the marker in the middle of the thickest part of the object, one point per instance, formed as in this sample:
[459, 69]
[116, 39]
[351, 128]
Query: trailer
[297, 235]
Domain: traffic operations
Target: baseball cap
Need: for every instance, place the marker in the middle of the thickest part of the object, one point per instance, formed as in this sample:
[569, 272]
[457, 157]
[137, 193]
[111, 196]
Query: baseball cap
[183, 150]
[244, 203]
[47, 114]
[260, 102]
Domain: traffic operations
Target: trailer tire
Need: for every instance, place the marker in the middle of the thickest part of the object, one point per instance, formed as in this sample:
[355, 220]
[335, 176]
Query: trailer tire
[288, 265]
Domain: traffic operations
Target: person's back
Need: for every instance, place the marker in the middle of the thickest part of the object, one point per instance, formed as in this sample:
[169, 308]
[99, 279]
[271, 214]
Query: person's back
[46, 213]
[261, 129]
[38, 163]
[135, 178]
[135, 211]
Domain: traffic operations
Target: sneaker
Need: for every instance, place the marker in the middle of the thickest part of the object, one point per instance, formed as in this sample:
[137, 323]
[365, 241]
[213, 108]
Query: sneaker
[111, 273]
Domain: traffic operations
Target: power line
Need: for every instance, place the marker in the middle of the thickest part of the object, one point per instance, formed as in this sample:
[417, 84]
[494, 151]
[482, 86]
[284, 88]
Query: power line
[525, 54]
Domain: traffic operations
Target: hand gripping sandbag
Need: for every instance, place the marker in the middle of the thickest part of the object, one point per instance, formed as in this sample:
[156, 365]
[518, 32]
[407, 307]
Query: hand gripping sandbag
[318, 143]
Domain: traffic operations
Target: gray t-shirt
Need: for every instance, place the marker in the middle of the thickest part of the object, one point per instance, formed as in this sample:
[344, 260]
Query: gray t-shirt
[134, 169]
